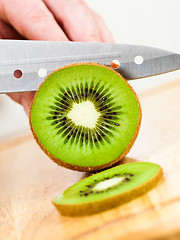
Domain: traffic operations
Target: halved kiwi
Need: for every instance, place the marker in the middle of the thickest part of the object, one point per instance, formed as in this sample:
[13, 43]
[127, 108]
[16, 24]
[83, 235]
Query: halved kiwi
[108, 189]
[85, 116]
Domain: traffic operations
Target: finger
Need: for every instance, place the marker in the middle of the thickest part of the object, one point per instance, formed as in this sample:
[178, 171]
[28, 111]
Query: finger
[106, 35]
[32, 19]
[8, 32]
[24, 99]
[76, 18]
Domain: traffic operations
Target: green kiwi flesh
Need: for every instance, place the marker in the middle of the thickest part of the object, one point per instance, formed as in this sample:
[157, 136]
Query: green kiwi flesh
[85, 116]
[108, 189]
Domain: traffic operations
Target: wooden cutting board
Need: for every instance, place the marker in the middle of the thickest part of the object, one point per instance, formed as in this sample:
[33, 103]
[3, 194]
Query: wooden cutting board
[29, 181]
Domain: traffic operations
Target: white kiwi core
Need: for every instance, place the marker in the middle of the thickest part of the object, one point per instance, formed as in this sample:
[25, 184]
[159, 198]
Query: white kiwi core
[108, 183]
[84, 114]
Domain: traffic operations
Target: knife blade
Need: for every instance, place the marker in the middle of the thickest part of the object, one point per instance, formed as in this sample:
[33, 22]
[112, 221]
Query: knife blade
[32, 57]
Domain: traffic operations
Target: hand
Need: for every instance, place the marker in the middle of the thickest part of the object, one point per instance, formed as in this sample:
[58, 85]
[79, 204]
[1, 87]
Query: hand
[58, 20]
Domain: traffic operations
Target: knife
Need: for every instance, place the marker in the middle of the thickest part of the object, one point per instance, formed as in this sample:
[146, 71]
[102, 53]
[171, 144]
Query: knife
[36, 59]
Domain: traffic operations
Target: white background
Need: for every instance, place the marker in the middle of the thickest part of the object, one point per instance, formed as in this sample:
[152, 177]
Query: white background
[153, 23]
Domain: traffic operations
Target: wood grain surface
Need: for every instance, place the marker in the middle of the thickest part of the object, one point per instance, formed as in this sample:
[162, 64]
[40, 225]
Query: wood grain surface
[29, 181]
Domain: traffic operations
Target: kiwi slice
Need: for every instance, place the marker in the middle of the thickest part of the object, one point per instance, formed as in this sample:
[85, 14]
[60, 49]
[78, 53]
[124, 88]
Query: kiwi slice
[85, 116]
[108, 189]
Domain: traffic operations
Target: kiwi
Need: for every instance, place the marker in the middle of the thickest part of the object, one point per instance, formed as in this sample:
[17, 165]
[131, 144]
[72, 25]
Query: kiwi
[85, 116]
[108, 189]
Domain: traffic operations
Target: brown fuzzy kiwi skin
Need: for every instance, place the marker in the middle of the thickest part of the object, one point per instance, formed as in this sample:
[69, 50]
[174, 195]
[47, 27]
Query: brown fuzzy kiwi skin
[108, 203]
[81, 168]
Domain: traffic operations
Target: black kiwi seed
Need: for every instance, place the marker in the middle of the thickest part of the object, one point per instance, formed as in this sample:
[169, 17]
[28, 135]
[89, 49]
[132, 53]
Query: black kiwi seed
[64, 98]
[97, 94]
[127, 179]
[109, 117]
[86, 136]
[99, 137]
[111, 113]
[94, 91]
[103, 108]
[117, 124]
[65, 103]
[68, 137]
[75, 132]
